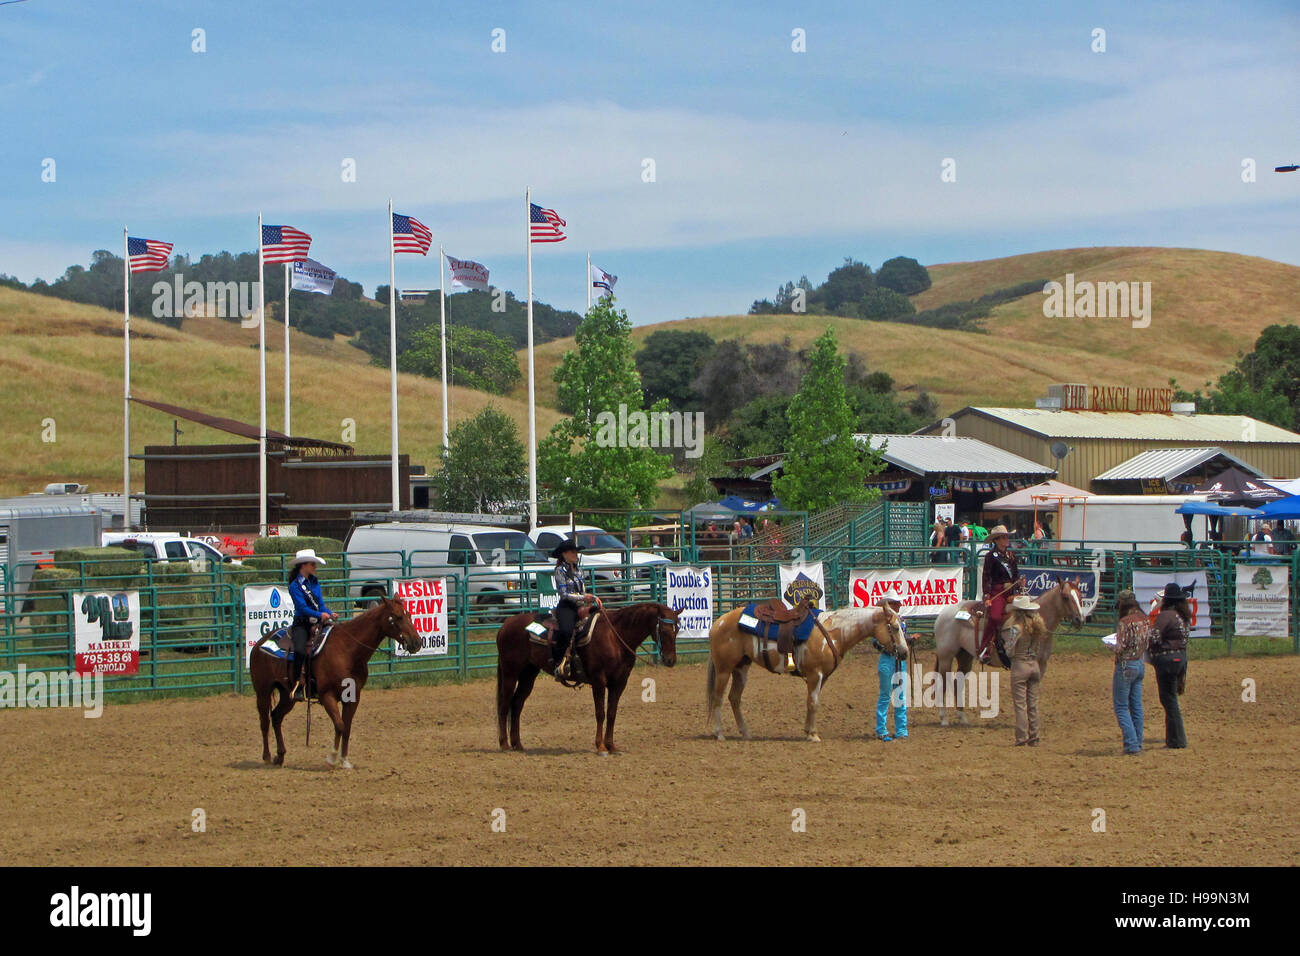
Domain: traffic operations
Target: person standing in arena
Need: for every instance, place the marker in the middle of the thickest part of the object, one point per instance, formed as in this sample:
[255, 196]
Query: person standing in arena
[1132, 637]
[1025, 631]
[1169, 657]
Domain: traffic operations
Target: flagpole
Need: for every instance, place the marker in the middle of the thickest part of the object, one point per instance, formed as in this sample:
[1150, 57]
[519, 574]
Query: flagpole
[589, 282]
[126, 381]
[442, 309]
[392, 348]
[532, 404]
[287, 267]
[261, 348]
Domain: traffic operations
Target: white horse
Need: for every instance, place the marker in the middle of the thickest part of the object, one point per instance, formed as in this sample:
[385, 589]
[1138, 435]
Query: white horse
[958, 637]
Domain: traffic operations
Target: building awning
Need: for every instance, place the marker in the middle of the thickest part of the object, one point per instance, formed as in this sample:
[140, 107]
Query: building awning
[951, 455]
[243, 429]
[1169, 463]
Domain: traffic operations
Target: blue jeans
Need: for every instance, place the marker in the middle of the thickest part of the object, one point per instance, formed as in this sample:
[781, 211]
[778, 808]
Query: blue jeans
[1126, 692]
[886, 668]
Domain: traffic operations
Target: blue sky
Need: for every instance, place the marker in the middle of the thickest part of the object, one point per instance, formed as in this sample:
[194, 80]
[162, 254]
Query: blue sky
[769, 163]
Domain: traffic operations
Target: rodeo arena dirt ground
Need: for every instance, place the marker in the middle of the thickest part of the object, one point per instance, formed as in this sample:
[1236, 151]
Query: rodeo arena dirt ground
[122, 789]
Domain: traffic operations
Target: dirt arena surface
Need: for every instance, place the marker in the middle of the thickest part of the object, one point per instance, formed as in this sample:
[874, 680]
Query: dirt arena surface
[121, 789]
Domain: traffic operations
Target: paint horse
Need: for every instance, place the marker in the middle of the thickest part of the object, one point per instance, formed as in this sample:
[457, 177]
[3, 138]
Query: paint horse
[731, 651]
[957, 625]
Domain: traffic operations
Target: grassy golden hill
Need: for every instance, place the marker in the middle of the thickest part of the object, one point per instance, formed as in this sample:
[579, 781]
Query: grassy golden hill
[1206, 307]
[63, 361]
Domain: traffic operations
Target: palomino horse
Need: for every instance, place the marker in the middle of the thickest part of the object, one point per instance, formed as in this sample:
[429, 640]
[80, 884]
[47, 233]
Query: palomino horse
[607, 661]
[343, 659]
[732, 650]
[957, 638]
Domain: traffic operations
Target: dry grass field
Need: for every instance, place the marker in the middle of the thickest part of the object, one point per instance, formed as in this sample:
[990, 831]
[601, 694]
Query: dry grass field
[63, 361]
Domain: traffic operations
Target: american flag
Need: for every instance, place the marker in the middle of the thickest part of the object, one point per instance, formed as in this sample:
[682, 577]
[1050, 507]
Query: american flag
[544, 224]
[411, 235]
[147, 255]
[284, 244]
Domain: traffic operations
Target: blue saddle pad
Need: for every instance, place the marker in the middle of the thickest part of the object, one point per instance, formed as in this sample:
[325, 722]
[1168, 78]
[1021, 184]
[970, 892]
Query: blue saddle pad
[768, 631]
[270, 646]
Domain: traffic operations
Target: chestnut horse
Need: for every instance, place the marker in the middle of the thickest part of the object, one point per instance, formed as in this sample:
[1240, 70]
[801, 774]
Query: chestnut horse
[955, 638]
[732, 650]
[342, 660]
[607, 661]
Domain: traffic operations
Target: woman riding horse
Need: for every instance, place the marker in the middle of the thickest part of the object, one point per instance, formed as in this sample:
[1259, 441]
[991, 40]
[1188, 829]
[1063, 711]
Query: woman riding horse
[572, 590]
[308, 609]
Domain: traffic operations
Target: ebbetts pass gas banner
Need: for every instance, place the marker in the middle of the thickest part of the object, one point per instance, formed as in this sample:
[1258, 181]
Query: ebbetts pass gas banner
[922, 591]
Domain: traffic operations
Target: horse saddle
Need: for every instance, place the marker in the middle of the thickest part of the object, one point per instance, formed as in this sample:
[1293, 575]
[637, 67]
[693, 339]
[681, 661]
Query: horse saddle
[542, 629]
[773, 621]
[280, 643]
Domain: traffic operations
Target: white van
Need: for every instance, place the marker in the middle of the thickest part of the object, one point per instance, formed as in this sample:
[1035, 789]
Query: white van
[605, 556]
[497, 562]
[157, 546]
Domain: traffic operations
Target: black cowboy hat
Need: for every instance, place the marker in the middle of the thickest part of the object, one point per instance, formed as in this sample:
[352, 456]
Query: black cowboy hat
[569, 545]
[1173, 592]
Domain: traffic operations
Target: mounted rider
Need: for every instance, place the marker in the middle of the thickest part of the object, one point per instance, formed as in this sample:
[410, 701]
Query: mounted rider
[572, 590]
[1002, 581]
[308, 609]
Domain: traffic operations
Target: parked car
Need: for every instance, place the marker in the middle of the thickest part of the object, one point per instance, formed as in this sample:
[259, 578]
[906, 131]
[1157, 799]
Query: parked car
[167, 547]
[497, 562]
[605, 556]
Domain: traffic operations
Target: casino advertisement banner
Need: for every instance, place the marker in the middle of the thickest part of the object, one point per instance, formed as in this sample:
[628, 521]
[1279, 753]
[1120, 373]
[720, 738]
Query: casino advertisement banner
[426, 605]
[923, 592]
[267, 608]
[107, 631]
[690, 591]
[799, 581]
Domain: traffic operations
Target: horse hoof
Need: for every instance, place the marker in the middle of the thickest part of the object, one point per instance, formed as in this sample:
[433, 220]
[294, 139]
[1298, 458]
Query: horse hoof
[814, 738]
[602, 753]
[329, 758]
[279, 760]
[719, 737]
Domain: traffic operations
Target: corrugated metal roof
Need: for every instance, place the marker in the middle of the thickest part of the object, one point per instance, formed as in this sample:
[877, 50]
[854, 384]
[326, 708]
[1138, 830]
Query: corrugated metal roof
[942, 454]
[1168, 463]
[1207, 429]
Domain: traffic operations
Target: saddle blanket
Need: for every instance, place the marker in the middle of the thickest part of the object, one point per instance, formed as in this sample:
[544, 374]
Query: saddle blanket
[750, 624]
[272, 644]
[537, 630]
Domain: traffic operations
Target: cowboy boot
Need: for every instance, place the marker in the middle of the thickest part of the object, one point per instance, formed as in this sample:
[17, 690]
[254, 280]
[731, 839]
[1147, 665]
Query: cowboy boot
[299, 692]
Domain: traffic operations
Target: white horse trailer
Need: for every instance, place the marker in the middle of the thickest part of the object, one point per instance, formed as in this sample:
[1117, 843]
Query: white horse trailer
[30, 534]
[1117, 521]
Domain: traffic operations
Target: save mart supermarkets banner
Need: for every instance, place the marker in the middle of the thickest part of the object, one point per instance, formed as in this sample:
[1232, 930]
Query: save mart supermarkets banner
[923, 592]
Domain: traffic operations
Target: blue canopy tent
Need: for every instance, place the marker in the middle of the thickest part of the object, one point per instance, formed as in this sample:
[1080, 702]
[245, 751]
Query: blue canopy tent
[1212, 510]
[1283, 508]
[736, 503]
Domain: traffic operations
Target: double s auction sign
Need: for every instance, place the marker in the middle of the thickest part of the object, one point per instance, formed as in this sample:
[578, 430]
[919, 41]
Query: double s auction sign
[107, 631]
[426, 605]
[690, 592]
[267, 608]
[923, 592]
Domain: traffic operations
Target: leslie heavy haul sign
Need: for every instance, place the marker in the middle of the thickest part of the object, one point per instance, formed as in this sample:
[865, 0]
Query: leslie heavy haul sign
[923, 592]
[426, 606]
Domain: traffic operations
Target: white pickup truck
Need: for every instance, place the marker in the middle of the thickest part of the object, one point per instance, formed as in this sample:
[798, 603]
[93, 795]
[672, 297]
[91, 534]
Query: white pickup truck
[158, 546]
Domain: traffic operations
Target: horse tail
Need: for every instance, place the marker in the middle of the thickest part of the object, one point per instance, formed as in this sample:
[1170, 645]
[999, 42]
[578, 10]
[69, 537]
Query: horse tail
[712, 675]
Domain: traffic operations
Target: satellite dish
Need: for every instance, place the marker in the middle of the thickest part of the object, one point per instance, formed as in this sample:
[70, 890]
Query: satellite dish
[1060, 449]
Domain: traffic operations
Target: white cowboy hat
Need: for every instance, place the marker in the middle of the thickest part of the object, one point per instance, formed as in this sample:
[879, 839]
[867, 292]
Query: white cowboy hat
[998, 529]
[306, 555]
[1023, 602]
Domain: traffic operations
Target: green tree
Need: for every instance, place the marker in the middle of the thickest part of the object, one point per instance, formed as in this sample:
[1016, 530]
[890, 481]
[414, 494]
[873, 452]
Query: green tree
[1264, 384]
[847, 285]
[668, 362]
[710, 464]
[882, 304]
[824, 465]
[484, 469]
[478, 358]
[585, 461]
[903, 275]
[760, 426]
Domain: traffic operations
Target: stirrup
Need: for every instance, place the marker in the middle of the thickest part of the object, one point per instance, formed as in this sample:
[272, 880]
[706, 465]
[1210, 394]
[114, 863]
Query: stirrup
[790, 667]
